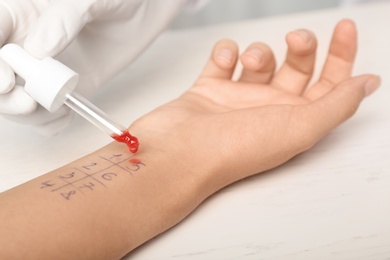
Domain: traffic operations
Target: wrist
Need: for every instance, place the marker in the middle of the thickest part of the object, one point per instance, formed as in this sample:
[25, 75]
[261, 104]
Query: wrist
[184, 173]
[183, 161]
[170, 184]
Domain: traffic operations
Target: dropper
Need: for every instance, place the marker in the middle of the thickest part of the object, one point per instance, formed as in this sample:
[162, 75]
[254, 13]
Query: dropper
[52, 84]
[93, 114]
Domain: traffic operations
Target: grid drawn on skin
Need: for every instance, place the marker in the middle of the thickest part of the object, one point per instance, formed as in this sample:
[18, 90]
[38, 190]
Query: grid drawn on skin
[87, 177]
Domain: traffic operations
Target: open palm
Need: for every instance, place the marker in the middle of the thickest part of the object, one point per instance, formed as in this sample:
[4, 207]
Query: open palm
[265, 117]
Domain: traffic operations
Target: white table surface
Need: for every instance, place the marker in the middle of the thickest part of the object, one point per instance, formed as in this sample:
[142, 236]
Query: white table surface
[332, 202]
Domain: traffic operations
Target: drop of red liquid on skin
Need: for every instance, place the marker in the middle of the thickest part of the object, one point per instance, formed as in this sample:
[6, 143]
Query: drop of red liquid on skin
[131, 141]
[134, 161]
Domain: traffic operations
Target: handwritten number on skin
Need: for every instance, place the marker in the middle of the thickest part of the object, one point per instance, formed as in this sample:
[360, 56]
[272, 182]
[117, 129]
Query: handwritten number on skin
[89, 166]
[47, 184]
[109, 176]
[69, 185]
[67, 195]
[135, 167]
[89, 185]
[67, 176]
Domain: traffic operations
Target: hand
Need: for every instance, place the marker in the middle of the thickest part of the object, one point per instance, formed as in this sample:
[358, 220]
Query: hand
[218, 132]
[243, 127]
[96, 38]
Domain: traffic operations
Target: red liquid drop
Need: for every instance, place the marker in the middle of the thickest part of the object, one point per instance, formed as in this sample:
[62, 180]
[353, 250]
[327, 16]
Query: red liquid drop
[134, 161]
[128, 139]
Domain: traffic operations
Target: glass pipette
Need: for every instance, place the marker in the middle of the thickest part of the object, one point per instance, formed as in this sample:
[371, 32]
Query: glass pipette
[51, 84]
[93, 114]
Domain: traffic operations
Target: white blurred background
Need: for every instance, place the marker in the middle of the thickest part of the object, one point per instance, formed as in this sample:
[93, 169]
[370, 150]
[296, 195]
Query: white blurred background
[220, 11]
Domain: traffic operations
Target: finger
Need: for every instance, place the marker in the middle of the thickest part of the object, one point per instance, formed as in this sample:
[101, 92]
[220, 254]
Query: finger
[56, 28]
[298, 67]
[6, 23]
[17, 102]
[339, 62]
[7, 77]
[44, 122]
[222, 61]
[55, 126]
[259, 64]
[339, 104]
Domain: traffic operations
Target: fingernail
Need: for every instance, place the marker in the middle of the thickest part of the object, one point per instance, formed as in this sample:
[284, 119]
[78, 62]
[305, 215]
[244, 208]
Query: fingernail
[304, 34]
[372, 84]
[225, 55]
[256, 54]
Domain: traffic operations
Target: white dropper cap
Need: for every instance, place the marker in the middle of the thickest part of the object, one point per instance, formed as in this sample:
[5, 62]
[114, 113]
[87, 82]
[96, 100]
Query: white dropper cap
[51, 84]
[47, 81]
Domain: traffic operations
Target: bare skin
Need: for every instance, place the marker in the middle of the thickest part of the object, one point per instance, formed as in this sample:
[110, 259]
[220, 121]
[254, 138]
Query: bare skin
[267, 116]
[107, 203]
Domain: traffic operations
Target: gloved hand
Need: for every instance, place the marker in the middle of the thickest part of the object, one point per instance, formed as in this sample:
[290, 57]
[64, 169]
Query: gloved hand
[96, 38]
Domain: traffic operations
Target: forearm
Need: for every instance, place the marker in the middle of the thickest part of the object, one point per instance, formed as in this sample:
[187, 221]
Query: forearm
[99, 207]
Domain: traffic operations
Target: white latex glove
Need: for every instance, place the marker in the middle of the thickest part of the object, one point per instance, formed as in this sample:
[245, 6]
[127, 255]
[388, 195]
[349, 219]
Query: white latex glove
[96, 38]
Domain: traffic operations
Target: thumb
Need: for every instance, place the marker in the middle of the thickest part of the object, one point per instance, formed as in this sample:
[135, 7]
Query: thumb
[55, 29]
[341, 103]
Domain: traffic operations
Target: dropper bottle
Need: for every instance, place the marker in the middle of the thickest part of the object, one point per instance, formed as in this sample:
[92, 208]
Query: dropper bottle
[52, 84]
